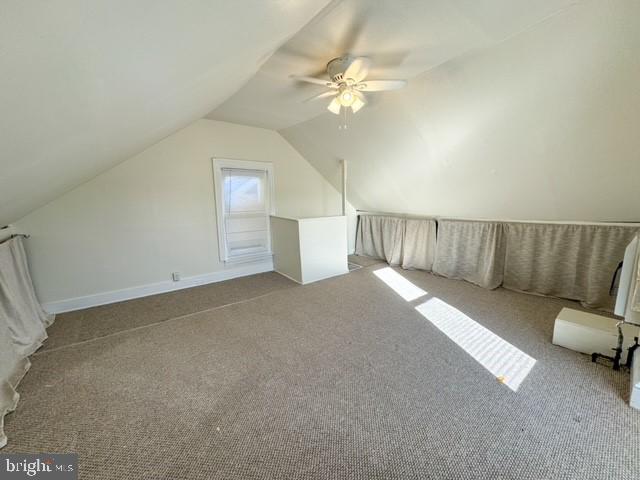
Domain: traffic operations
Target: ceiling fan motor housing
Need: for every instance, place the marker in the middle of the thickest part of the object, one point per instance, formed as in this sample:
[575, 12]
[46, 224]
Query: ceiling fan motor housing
[337, 66]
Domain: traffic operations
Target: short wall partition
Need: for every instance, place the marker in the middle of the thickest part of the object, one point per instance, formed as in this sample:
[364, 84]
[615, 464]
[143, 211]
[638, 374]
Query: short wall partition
[309, 249]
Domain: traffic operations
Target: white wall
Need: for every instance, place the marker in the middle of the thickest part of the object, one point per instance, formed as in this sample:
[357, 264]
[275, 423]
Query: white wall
[286, 247]
[323, 248]
[543, 126]
[154, 214]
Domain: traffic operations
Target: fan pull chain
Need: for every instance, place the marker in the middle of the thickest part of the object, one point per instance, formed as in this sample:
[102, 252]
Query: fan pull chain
[344, 125]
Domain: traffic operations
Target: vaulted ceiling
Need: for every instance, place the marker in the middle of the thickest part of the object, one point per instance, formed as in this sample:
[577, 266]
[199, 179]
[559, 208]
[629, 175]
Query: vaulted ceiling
[514, 108]
[541, 127]
[86, 84]
[403, 38]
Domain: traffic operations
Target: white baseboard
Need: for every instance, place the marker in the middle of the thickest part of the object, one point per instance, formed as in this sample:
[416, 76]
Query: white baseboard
[299, 282]
[289, 277]
[78, 303]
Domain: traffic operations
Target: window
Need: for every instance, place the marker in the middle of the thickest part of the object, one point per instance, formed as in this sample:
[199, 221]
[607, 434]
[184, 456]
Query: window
[244, 200]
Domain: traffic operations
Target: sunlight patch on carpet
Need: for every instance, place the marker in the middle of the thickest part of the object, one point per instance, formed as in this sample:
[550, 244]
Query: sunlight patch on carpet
[399, 284]
[507, 363]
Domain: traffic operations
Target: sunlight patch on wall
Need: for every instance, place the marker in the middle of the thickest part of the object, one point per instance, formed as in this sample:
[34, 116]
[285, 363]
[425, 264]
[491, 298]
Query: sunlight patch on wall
[506, 362]
[399, 284]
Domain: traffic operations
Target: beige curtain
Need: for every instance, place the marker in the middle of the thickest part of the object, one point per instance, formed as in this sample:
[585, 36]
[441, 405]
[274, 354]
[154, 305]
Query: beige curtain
[471, 251]
[22, 323]
[407, 242]
[562, 260]
[419, 247]
[19, 306]
[12, 368]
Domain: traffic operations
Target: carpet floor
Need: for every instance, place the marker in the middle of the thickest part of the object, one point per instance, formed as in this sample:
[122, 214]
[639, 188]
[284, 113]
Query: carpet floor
[364, 261]
[91, 323]
[340, 379]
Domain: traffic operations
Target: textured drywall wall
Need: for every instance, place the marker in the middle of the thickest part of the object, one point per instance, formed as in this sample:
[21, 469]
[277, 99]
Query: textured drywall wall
[155, 214]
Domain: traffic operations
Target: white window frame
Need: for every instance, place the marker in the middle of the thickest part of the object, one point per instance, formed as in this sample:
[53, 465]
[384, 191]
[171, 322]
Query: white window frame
[220, 164]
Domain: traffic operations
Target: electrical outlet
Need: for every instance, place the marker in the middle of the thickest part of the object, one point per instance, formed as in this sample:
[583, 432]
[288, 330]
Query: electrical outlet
[175, 276]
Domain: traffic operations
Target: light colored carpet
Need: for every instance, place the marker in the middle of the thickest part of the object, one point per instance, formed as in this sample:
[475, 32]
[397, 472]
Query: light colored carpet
[82, 325]
[365, 261]
[340, 379]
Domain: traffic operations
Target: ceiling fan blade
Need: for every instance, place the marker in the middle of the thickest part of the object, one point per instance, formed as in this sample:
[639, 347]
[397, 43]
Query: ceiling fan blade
[317, 81]
[348, 24]
[386, 59]
[334, 106]
[330, 93]
[380, 85]
[359, 102]
[299, 55]
[358, 69]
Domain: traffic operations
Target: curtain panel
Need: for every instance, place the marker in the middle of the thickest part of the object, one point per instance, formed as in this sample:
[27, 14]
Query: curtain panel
[571, 261]
[22, 323]
[12, 368]
[406, 242]
[471, 250]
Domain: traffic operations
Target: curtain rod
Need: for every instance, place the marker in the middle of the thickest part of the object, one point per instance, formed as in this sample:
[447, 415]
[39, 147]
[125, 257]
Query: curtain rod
[465, 219]
[14, 236]
[401, 215]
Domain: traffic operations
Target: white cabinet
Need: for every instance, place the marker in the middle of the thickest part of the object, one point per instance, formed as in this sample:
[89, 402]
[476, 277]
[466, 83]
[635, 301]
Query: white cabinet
[591, 333]
[634, 398]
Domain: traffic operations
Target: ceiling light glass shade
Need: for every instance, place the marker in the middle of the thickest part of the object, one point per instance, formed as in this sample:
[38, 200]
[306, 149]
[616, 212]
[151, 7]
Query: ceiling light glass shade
[346, 97]
[334, 106]
[357, 104]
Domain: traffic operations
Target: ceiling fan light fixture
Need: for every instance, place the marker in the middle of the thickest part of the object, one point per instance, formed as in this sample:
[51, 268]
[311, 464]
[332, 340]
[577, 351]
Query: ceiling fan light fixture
[348, 81]
[346, 97]
[357, 104]
[334, 106]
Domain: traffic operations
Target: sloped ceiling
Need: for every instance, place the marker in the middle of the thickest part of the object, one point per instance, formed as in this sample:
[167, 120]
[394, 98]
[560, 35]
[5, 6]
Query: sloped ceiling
[515, 109]
[540, 126]
[404, 38]
[86, 84]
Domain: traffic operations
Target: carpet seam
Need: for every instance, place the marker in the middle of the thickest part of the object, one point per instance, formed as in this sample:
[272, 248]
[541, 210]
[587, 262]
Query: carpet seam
[155, 324]
[180, 317]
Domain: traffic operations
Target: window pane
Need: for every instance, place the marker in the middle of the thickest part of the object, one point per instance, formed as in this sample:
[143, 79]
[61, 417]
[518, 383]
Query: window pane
[245, 212]
[246, 223]
[244, 192]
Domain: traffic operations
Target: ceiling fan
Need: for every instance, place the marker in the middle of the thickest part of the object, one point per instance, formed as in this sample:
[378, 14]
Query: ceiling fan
[348, 82]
